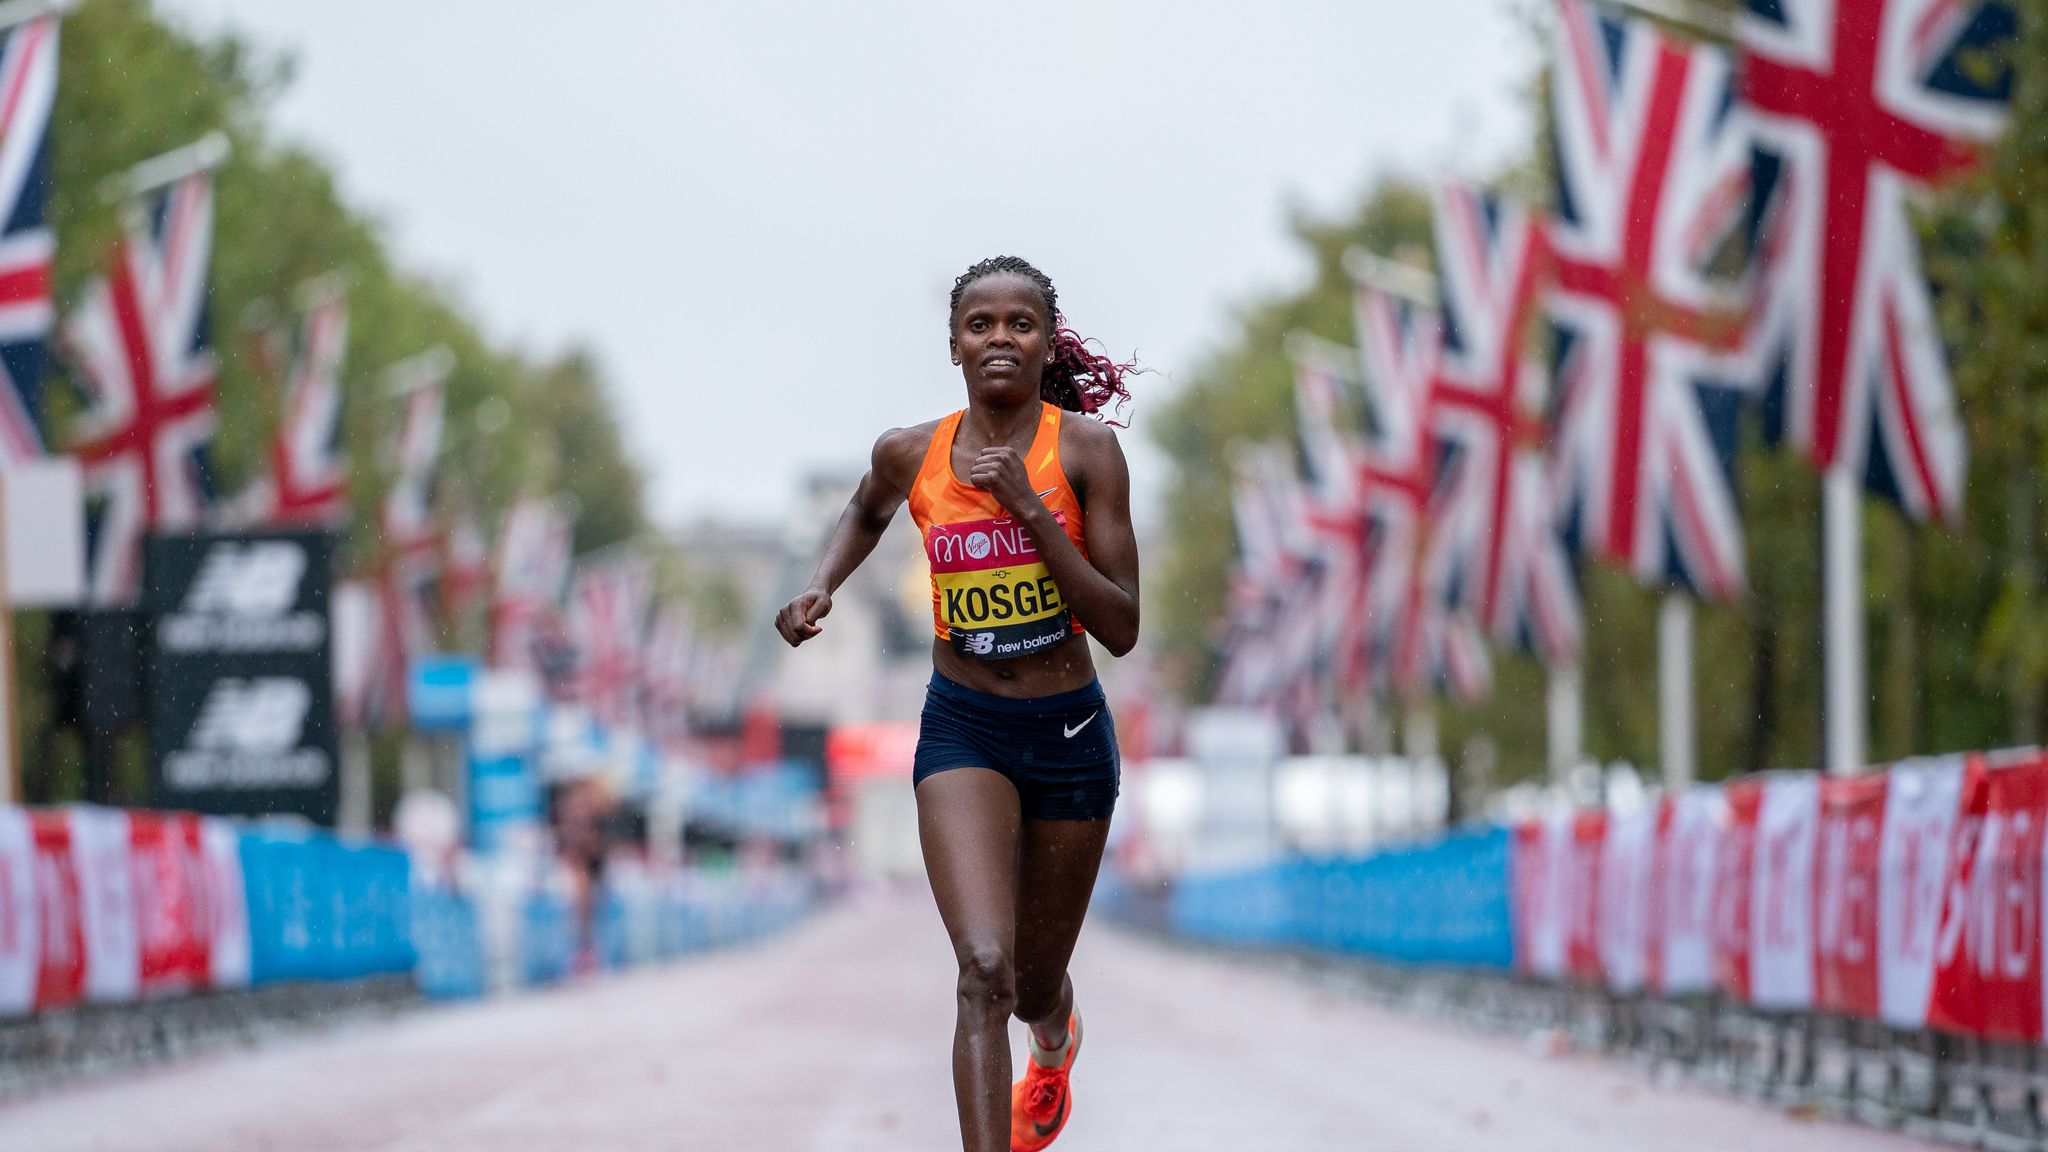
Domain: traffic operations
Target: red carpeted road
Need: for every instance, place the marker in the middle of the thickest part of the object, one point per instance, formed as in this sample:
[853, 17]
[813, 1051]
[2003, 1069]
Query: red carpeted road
[834, 1038]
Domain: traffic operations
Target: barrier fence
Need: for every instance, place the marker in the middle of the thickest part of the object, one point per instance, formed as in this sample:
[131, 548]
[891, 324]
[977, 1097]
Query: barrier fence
[110, 906]
[1870, 944]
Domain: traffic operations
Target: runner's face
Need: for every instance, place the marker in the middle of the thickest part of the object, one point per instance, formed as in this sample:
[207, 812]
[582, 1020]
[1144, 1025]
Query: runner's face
[1001, 339]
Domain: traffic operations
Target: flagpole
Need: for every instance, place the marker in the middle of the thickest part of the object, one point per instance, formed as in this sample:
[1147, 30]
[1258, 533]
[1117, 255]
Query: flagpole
[1395, 278]
[22, 11]
[10, 760]
[1565, 721]
[202, 154]
[1675, 737]
[1847, 701]
[1702, 20]
[418, 370]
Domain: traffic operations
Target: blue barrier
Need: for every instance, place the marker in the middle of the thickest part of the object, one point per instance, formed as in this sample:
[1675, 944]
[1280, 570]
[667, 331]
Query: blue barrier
[547, 938]
[1440, 903]
[323, 910]
[450, 946]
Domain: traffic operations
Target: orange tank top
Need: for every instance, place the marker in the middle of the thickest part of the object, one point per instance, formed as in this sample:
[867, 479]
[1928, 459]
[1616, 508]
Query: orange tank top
[992, 595]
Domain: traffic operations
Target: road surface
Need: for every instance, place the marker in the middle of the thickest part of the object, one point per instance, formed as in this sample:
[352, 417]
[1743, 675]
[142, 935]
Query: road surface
[834, 1038]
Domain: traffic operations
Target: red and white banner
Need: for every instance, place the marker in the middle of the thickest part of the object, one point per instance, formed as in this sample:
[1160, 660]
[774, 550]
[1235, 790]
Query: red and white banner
[1542, 879]
[1734, 862]
[171, 902]
[1681, 930]
[227, 905]
[1528, 889]
[1923, 809]
[106, 895]
[1626, 863]
[60, 979]
[1846, 895]
[20, 946]
[1781, 894]
[1582, 900]
[1988, 953]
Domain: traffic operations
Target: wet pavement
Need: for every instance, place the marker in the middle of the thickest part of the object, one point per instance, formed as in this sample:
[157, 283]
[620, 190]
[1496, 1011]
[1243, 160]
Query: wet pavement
[835, 1038]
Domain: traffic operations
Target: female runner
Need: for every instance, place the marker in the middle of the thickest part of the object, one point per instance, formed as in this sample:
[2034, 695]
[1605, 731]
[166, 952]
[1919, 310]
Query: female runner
[1025, 514]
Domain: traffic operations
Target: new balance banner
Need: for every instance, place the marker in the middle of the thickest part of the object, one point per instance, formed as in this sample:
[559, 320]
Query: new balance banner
[1681, 936]
[1734, 862]
[20, 946]
[1781, 894]
[1923, 810]
[1846, 896]
[241, 708]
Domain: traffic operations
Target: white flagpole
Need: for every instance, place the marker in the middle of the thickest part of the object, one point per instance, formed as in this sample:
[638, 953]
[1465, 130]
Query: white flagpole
[1403, 281]
[419, 370]
[1565, 720]
[1675, 739]
[202, 154]
[22, 11]
[1418, 731]
[1846, 702]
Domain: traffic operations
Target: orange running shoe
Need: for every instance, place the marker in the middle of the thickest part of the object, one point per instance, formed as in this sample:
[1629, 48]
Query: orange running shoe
[1040, 1102]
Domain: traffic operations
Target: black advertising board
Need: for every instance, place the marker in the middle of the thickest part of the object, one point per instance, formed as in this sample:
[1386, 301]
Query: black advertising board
[241, 680]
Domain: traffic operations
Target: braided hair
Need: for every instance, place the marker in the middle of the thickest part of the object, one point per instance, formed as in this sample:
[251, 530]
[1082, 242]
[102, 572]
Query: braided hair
[1078, 376]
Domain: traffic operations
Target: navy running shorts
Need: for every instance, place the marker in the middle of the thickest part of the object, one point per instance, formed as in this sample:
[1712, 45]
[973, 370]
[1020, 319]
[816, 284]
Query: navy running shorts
[1059, 750]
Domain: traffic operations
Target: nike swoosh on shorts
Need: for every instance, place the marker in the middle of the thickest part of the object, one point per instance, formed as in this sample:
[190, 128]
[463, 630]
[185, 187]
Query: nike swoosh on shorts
[1083, 724]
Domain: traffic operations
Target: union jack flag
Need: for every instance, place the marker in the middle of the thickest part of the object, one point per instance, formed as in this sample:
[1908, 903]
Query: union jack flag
[412, 540]
[1272, 586]
[465, 566]
[607, 611]
[1858, 104]
[1413, 488]
[308, 482]
[140, 343]
[28, 89]
[532, 567]
[671, 652]
[1489, 399]
[1334, 455]
[1653, 167]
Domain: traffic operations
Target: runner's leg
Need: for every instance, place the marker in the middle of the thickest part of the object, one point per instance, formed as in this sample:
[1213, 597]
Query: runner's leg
[1055, 877]
[967, 822]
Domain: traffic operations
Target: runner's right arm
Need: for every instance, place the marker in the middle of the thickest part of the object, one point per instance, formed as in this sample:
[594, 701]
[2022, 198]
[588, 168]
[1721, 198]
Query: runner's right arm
[882, 490]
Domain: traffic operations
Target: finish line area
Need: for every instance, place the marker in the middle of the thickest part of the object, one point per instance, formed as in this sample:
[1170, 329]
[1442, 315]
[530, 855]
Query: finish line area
[834, 1037]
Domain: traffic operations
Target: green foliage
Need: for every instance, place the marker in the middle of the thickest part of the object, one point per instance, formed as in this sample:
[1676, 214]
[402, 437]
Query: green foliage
[132, 85]
[1957, 617]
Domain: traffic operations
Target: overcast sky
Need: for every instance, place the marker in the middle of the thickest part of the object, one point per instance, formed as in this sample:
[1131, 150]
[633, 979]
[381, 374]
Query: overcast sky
[752, 212]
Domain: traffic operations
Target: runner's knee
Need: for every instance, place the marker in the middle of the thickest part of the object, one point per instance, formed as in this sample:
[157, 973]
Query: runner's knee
[988, 978]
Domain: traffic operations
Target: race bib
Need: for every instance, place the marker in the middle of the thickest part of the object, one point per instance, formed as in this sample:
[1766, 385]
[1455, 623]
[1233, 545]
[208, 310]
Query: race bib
[996, 598]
